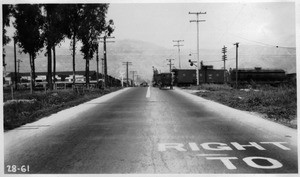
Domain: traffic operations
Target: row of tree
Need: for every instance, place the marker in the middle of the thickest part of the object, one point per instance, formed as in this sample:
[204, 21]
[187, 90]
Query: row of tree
[40, 26]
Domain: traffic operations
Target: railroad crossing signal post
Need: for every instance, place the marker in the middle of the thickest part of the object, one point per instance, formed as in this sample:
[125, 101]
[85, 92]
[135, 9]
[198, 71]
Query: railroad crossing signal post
[197, 21]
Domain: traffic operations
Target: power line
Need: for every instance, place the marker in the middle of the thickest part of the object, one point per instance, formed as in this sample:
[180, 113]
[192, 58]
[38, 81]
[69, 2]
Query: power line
[258, 42]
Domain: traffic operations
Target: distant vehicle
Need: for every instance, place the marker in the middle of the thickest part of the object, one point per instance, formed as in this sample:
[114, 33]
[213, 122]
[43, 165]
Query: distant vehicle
[144, 84]
[165, 80]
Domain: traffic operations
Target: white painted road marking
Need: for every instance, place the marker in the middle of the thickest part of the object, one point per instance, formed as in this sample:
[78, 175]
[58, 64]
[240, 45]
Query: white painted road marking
[272, 163]
[216, 146]
[203, 155]
[148, 93]
[251, 161]
[226, 161]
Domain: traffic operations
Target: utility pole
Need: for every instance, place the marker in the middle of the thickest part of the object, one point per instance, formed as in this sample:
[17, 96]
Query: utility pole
[236, 70]
[197, 21]
[137, 79]
[97, 60]
[224, 58]
[19, 61]
[170, 64]
[178, 45]
[133, 77]
[127, 63]
[105, 37]
[15, 57]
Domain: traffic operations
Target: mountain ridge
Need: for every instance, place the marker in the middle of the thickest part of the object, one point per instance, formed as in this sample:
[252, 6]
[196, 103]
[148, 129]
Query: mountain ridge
[145, 55]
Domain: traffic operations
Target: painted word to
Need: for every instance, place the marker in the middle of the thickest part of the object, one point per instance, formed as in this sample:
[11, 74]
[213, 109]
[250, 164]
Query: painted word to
[268, 163]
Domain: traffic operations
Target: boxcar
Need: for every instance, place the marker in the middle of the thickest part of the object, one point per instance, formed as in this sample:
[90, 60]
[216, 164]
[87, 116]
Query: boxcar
[215, 76]
[185, 77]
[258, 75]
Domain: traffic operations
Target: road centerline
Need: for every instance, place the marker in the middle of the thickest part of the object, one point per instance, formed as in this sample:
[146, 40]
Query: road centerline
[148, 93]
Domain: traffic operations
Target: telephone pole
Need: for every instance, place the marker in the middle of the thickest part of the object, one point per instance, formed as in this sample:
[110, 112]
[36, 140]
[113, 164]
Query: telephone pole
[19, 61]
[197, 21]
[127, 63]
[105, 56]
[224, 58]
[133, 77]
[15, 60]
[97, 61]
[170, 64]
[178, 45]
[236, 70]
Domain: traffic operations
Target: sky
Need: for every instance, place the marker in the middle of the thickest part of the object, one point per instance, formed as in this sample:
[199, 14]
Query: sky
[270, 23]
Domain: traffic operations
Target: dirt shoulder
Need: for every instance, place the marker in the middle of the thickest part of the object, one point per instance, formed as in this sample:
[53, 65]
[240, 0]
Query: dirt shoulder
[278, 104]
[26, 108]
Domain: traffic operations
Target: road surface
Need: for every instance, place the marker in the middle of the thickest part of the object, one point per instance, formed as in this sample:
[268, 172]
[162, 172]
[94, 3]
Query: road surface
[147, 130]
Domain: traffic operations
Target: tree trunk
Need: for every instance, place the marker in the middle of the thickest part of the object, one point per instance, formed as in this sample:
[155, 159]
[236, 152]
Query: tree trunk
[74, 51]
[49, 74]
[54, 65]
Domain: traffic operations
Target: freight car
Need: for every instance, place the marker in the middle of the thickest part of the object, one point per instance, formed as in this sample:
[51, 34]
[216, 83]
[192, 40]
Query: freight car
[258, 76]
[185, 77]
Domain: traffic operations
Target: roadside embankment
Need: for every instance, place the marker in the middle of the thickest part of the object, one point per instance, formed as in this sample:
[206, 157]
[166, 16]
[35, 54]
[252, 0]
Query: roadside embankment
[26, 108]
[278, 104]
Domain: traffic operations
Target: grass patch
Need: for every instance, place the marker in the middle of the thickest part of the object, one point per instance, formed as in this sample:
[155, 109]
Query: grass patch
[277, 103]
[26, 108]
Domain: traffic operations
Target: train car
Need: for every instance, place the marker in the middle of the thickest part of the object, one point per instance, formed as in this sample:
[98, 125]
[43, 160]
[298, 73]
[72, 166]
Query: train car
[212, 76]
[186, 77]
[258, 75]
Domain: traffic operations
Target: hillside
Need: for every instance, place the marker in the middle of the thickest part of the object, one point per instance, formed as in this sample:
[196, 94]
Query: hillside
[144, 55]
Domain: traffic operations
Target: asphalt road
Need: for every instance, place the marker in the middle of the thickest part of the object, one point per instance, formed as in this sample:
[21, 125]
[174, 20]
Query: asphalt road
[158, 131]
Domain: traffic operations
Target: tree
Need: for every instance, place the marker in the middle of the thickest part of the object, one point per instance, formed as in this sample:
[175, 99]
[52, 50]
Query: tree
[28, 24]
[93, 24]
[7, 11]
[72, 19]
[54, 31]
